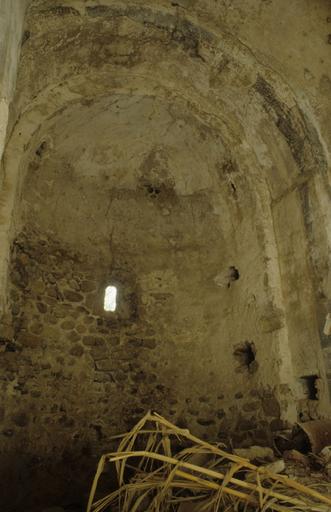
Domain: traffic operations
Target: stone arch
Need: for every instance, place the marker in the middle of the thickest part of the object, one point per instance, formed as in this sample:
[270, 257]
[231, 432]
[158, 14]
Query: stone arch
[266, 127]
[271, 145]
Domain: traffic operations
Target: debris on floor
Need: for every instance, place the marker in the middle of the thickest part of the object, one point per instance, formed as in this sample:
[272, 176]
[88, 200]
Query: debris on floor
[255, 453]
[311, 436]
[161, 468]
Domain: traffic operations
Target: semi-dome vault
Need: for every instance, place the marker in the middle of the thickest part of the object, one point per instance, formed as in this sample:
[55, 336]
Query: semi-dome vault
[179, 153]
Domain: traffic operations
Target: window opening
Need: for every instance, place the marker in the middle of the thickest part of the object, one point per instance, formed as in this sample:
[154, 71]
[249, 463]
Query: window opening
[110, 301]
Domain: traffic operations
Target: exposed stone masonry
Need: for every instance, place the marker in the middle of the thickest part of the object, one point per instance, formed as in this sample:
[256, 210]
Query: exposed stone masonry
[74, 374]
[79, 368]
[180, 153]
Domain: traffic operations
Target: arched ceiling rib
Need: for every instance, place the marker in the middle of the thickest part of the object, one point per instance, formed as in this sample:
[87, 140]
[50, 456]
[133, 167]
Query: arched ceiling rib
[100, 48]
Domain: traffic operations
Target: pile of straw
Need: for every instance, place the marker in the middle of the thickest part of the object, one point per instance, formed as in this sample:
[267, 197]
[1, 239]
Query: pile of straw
[162, 468]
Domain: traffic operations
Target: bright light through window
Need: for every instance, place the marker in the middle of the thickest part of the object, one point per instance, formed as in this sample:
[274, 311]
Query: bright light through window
[110, 298]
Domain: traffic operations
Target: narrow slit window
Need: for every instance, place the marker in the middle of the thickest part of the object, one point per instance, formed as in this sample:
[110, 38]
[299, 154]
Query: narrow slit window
[110, 301]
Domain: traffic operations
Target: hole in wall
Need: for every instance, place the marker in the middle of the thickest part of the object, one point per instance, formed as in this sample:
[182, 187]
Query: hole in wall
[110, 299]
[153, 191]
[309, 387]
[41, 149]
[226, 277]
[25, 37]
[233, 275]
[245, 354]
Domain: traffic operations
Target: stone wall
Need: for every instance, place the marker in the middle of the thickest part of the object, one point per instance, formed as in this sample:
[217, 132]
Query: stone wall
[176, 151]
[117, 360]
[73, 374]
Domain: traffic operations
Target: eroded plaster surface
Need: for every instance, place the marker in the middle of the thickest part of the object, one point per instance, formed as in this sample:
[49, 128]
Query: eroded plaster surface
[179, 152]
[11, 27]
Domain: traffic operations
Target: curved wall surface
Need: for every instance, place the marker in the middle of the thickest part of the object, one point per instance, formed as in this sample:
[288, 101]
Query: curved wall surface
[177, 151]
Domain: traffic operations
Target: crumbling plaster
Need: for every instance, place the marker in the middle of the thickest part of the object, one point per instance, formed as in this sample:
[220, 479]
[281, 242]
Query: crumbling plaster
[159, 144]
[11, 26]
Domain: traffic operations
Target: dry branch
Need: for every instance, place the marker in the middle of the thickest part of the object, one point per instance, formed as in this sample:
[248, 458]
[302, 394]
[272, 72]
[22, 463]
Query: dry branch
[162, 476]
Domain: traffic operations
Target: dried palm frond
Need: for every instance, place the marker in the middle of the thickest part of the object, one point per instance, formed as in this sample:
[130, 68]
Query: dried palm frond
[162, 468]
